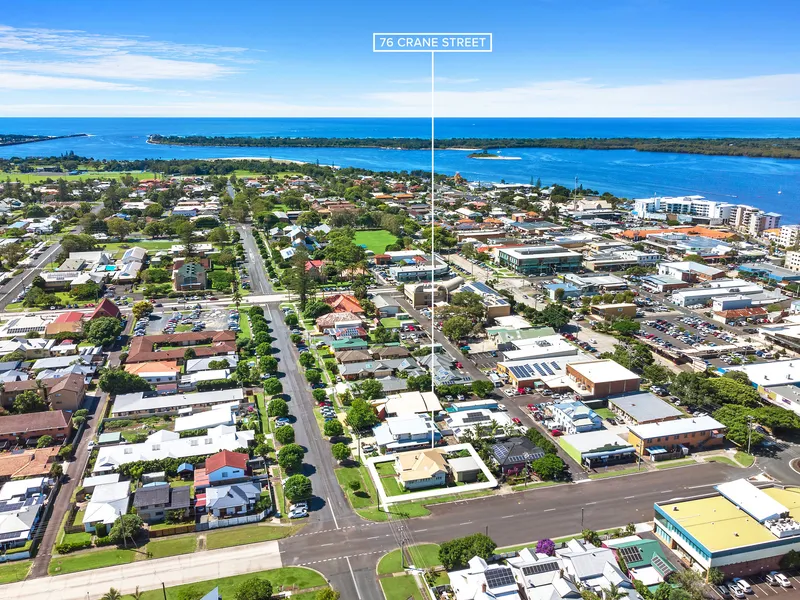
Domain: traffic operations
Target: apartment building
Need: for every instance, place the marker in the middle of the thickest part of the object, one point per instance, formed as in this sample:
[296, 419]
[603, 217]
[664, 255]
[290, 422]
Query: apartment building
[694, 207]
[753, 221]
[539, 260]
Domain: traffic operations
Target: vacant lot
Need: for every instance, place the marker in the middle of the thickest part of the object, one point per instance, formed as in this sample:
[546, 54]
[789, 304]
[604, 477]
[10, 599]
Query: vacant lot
[246, 534]
[172, 547]
[85, 561]
[375, 240]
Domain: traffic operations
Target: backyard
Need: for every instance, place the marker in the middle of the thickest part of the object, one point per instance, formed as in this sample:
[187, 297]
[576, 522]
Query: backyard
[375, 240]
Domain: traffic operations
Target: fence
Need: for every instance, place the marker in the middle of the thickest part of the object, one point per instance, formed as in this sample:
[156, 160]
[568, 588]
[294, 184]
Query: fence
[231, 522]
[176, 530]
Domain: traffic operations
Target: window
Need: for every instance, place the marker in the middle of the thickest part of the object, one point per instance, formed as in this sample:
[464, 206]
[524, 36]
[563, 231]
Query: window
[208, 441]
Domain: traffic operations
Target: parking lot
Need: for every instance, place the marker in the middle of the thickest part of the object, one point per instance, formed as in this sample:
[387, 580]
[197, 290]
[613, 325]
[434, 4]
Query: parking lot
[763, 590]
[185, 319]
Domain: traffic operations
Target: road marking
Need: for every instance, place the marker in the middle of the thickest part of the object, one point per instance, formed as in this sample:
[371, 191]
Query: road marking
[629, 497]
[667, 491]
[590, 503]
[508, 516]
[466, 523]
[333, 514]
[421, 530]
[331, 544]
[353, 575]
[549, 509]
[369, 538]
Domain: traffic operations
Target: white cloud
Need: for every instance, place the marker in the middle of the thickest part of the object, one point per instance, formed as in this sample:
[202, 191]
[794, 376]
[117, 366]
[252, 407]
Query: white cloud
[23, 81]
[760, 96]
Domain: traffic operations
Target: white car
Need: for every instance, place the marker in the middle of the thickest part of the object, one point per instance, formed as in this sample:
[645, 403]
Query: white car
[782, 579]
[298, 513]
[743, 585]
[299, 506]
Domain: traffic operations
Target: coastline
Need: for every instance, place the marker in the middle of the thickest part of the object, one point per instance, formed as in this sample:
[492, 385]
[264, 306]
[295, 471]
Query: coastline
[265, 158]
[495, 157]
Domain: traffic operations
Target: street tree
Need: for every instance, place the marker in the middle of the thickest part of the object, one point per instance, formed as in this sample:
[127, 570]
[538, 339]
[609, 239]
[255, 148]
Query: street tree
[297, 488]
[277, 407]
[341, 451]
[290, 457]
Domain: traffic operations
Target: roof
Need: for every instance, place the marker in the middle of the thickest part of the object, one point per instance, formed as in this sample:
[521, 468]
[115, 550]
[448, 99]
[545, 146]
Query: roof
[702, 519]
[752, 500]
[772, 373]
[594, 441]
[676, 427]
[33, 423]
[152, 367]
[344, 303]
[228, 496]
[645, 407]
[69, 317]
[27, 464]
[106, 308]
[222, 414]
[420, 465]
[174, 497]
[603, 371]
[226, 458]
[407, 403]
[516, 450]
[143, 348]
[137, 401]
[72, 383]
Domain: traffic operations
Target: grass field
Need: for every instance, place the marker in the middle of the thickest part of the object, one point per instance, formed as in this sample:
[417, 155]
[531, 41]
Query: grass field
[172, 546]
[606, 413]
[722, 459]
[390, 323]
[669, 464]
[375, 240]
[745, 459]
[14, 571]
[90, 560]
[287, 576]
[400, 588]
[152, 246]
[246, 534]
[618, 473]
[366, 495]
[37, 178]
[423, 555]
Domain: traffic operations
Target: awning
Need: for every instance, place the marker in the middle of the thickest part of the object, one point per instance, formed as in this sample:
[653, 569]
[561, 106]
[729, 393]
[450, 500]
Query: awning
[656, 450]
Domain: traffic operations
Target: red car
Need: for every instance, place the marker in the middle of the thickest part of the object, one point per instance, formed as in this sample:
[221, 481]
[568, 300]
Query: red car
[531, 407]
[555, 432]
[516, 421]
[459, 365]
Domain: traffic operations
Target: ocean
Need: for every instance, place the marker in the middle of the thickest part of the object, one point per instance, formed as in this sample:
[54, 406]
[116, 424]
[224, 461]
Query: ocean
[772, 184]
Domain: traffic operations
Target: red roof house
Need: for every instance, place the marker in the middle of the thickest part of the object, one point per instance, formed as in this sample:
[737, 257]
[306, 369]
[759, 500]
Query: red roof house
[106, 308]
[344, 303]
[225, 466]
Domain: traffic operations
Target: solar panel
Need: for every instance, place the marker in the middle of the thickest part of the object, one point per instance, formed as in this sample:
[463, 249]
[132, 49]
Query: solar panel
[631, 554]
[661, 566]
[10, 535]
[547, 368]
[542, 568]
[475, 417]
[555, 366]
[500, 577]
[539, 369]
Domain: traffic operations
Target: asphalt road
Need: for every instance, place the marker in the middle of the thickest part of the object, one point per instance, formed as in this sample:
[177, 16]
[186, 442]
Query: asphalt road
[72, 477]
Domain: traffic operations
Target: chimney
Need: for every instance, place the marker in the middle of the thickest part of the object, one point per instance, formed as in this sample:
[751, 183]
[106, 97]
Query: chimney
[483, 587]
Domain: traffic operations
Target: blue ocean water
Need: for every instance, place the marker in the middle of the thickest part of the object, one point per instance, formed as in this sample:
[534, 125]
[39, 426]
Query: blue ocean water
[768, 183]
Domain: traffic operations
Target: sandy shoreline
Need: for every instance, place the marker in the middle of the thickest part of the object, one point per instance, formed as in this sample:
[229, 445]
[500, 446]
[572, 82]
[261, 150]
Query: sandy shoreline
[264, 158]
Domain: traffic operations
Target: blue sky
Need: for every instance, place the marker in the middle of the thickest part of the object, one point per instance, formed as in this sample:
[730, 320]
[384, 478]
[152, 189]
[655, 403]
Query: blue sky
[569, 58]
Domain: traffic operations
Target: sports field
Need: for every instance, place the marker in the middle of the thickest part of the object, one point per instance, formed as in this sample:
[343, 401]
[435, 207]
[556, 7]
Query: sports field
[375, 240]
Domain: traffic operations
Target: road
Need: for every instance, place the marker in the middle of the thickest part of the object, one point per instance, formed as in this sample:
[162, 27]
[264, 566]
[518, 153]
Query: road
[73, 476]
[150, 574]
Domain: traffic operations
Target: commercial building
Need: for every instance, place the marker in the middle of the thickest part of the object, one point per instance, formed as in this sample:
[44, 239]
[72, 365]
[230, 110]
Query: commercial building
[539, 260]
[619, 258]
[190, 276]
[769, 272]
[597, 448]
[690, 272]
[496, 305]
[754, 221]
[538, 348]
[741, 530]
[643, 408]
[613, 312]
[601, 378]
[682, 244]
[680, 435]
[550, 371]
[792, 261]
[723, 288]
[425, 294]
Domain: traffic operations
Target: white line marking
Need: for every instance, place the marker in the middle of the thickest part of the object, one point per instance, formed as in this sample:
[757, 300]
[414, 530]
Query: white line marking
[353, 575]
[333, 514]
[590, 503]
[508, 516]
[549, 509]
[421, 530]
[373, 538]
[323, 545]
[629, 497]
[466, 523]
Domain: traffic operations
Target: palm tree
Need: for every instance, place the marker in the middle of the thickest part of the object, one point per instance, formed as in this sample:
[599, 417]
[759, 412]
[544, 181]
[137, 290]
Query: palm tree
[613, 592]
[113, 594]
[137, 595]
[237, 295]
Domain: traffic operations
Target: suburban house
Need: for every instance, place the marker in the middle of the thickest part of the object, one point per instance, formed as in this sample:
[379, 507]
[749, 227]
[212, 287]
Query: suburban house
[154, 500]
[408, 403]
[514, 454]
[24, 428]
[644, 559]
[422, 469]
[575, 417]
[378, 368]
[155, 372]
[28, 463]
[206, 344]
[105, 308]
[68, 322]
[406, 433]
[226, 466]
[344, 303]
[339, 320]
[108, 502]
[482, 581]
[21, 503]
[147, 404]
[230, 500]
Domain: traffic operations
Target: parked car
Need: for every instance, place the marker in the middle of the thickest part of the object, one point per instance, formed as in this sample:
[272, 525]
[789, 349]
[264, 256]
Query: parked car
[556, 432]
[780, 579]
[743, 585]
[723, 591]
[298, 513]
[282, 421]
[516, 421]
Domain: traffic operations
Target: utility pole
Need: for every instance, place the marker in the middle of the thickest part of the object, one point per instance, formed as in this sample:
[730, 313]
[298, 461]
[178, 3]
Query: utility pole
[581, 519]
[749, 431]
[402, 555]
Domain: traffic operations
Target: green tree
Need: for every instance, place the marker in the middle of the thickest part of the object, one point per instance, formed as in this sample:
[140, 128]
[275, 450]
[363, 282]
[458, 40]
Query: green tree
[715, 576]
[142, 309]
[277, 407]
[549, 467]
[155, 275]
[285, 434]
[297, 488]
[625, 327]
[118, 228]
[219, 235]
[307, 360]
[112, 594]
[272, 386]
[341, 451]
[102, 330]
[117, 381]
[290, 457]
[85, 291]
[361, 415]
[656, 374]
[44, 441]
[313, 376]
[730, 391]
[592, 537]
[297, 279]
[482, 388]
[333, 428]
[268, 364]
[370, 389]
[458, 552]
[125, 529]
[253, 589]
[456, 328]
[327, 594]
[29, 402]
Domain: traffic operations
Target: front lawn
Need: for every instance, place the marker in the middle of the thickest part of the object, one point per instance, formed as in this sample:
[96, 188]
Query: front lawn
[287, 576]
[668, 464]
[365, 496]
[172, 547]
[386, 468]
[722, 459]
[246, 534]
[392, 487]
[390, 323]
[606, 413]
[617, 473]
[14, 571]
[400, 588]
[374, 240]
[423, 556]
[745, 459]
[85, 561]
